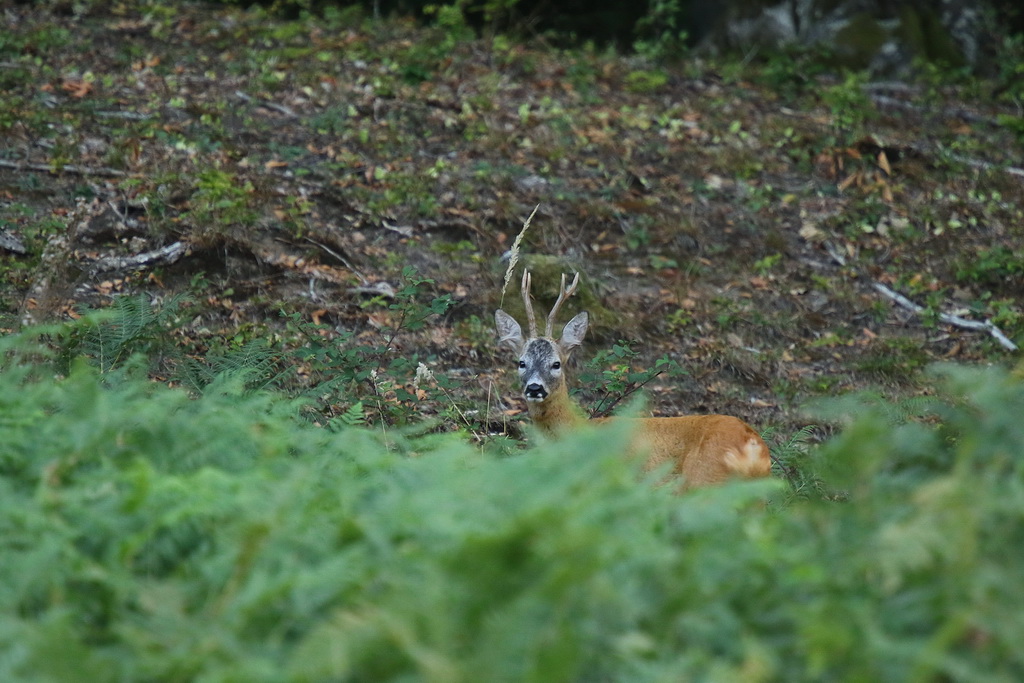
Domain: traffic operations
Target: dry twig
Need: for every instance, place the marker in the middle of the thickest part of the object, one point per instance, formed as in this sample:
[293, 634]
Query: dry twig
[163, 255]
[66, 168]
[955, 320]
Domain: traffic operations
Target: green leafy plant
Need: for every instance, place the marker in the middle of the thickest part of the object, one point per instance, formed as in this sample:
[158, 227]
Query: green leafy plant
[764, 266]
[991, 266]
[616, 383]
[131, 325]
[679, 321]
[898, 358]
[646, 80]
[220, 201]
[849, 106]
[660, 37]
[255, 365]
[355, 369]
[790, 72]
[790, 459]
[149, 534]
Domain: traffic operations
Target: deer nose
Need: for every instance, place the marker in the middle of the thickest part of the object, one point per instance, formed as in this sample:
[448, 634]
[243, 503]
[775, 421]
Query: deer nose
[535, 391]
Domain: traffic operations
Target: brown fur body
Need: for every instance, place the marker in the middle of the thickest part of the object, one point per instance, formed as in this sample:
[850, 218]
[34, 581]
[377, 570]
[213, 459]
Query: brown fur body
[685, 442]
[702, 449]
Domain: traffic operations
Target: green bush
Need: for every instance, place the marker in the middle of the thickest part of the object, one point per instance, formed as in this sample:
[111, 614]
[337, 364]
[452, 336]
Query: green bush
[149, 536]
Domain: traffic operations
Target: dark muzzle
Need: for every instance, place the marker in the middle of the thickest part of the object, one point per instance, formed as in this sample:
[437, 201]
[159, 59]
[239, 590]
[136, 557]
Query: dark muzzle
[535, 392]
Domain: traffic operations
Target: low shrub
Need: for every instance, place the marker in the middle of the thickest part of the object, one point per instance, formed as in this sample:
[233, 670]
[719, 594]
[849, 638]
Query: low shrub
[148, 535]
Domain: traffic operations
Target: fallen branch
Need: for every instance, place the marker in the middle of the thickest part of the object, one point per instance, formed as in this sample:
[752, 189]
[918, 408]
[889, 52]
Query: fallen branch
[987, 165]
[168, 254]
[12, 243]
[127, 115]
[955, 320]
[345, 262]
[950, 112]
[968, 161]
[267, 104]
[66, 168]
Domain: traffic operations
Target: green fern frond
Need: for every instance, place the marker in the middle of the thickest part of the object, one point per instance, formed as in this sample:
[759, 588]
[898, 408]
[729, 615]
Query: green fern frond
[355, 415]
[254, 366]
[910, 408]
[132, 324]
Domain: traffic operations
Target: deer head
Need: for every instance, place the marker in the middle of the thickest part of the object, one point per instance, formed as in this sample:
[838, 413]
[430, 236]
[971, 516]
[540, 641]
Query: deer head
[541, 359]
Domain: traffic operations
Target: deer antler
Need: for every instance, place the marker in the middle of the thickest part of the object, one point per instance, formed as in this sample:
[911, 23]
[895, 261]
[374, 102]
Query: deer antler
[530, 319]
[563, 294]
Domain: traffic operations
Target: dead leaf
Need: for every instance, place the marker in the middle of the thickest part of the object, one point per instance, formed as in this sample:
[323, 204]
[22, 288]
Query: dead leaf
[883, 163]
[809, 231]
[77, 89]
[848, 181]
[887, 193]
[759, 282]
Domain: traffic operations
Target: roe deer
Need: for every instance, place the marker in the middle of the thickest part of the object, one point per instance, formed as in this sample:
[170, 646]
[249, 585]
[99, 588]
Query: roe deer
[703, 449]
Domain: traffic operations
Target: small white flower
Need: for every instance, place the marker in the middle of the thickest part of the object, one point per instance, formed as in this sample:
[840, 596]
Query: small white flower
[423, 374]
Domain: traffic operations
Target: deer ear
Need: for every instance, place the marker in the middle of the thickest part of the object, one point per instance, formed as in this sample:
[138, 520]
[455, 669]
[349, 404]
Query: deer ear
[572, 334]
[509, 332]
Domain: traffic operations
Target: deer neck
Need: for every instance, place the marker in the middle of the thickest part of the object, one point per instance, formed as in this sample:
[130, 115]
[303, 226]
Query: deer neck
[556, 414]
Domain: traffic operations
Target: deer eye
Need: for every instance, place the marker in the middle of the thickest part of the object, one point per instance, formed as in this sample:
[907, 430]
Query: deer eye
[522, 364]
[556, 365]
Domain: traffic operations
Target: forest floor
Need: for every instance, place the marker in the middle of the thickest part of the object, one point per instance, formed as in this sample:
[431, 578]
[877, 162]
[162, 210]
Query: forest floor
[744, 221]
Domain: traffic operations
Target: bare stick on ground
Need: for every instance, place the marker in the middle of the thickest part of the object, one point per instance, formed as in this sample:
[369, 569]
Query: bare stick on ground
[955, 320]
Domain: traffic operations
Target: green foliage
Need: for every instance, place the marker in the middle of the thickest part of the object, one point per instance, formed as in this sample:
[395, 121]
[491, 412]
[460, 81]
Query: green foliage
[850, 107]
[612, 371]
[789, 459]
[15, 44]
[425, 57]
[1015, 124]
[255, 365]
[896, 358]
[646, 81]
[790, 71]
[109, 337]
[764, 266]
[660, 35]
[135, 330]
[369, 369]
[145, 535]
[1011, 67]
[221, 201]
[991, 266]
